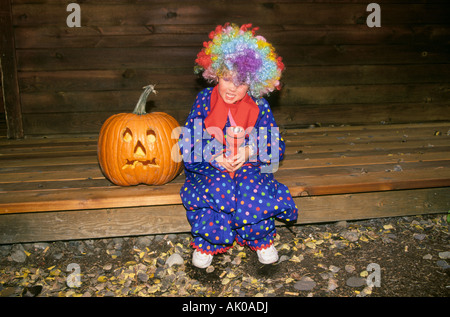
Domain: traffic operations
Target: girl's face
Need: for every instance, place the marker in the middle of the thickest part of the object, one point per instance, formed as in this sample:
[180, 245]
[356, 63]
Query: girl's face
[229, 92]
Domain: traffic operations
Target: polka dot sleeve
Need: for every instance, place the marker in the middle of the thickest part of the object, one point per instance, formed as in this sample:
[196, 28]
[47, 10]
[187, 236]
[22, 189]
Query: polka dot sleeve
[267, 144]
[196, 145]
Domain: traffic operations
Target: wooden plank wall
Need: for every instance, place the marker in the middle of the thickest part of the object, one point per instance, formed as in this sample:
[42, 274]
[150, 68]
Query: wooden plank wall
[3, 130]
[339, 70]
[10, 103]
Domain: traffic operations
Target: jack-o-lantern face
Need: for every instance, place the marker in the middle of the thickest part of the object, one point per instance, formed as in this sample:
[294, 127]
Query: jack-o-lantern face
[137, 149]
[140, 149]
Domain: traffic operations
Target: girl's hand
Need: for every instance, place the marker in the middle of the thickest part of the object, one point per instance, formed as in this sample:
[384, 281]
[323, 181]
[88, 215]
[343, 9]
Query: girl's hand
[240, 158]
[234, 163]
[225, 162]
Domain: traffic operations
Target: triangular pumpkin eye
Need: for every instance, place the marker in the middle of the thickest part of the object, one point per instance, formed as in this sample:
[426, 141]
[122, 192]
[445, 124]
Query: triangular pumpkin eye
[127, 135]
[151, 136]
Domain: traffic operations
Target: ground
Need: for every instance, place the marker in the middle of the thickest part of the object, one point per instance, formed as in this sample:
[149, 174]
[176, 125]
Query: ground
[386, 257]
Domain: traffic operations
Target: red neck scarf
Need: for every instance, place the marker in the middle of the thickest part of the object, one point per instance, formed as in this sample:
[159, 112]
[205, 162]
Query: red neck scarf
[245, 113]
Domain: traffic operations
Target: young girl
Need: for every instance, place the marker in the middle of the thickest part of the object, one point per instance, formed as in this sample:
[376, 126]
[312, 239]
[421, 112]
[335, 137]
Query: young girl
[231, 147]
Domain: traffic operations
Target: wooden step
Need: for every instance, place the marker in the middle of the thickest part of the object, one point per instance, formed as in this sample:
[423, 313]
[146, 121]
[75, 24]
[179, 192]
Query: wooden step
[51, 174]
[53, 188]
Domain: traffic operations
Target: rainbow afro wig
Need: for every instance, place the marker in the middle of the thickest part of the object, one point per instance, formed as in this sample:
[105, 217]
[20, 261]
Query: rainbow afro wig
[248, 57]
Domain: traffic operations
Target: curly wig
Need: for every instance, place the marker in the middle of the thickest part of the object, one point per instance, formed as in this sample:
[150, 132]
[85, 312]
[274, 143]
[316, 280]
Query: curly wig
[249, 57]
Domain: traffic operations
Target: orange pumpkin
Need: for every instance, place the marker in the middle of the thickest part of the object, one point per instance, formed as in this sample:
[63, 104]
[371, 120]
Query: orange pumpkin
[139, 147]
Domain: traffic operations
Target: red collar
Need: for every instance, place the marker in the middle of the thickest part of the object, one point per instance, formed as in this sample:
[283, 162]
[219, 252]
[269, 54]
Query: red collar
[245, 112]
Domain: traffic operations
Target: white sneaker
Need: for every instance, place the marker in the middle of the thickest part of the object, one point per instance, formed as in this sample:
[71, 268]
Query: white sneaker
[268, 255]
[201, 260]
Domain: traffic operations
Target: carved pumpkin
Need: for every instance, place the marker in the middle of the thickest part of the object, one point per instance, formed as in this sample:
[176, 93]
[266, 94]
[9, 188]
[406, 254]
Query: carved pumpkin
[139, 147]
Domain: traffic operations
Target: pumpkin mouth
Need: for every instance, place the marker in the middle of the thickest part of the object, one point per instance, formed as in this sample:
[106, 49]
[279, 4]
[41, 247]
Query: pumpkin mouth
[145, 163]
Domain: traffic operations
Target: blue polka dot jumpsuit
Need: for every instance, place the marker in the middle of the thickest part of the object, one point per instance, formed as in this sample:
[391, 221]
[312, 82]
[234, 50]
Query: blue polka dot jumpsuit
[222, 209]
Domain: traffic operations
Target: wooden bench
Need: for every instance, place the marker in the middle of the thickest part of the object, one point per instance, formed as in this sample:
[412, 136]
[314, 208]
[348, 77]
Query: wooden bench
[52, 188]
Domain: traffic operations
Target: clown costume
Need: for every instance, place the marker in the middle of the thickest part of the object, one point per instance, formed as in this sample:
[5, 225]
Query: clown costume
[231, 146]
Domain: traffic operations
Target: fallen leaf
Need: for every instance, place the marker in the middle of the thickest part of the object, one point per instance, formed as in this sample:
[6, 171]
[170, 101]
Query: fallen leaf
[363, 238]
[332, 284]
[419, 227]
[231, 275]
[388, 227]
[334, 268]
[366, 291]
[289, 280]
[291, 293]
[55, 272]
[296, 258]
[107, 267]
[225, 281]
[318, 254]
[102, 279]
[129, 263]
[237, 260]
[350, 268]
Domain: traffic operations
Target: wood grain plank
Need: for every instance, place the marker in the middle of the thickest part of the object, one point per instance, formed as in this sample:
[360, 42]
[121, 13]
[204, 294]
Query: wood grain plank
[120, 58]
[8, 68]
[375, 128]
[290, 116]
[92, 198]
[66, 173]
[356, 139]
[191, 35]
[179, 99]
[360, 182]
[55, 186]
[49, 161]
[286, 116]
[119, 222]
[176, 78]
[75, 199]
[331, 208]
[292, 162]
[363, 183]
[213, 12]
[83, 224]
[346, 149]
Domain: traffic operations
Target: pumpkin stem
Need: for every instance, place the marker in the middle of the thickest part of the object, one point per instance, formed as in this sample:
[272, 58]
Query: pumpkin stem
[140, 106]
